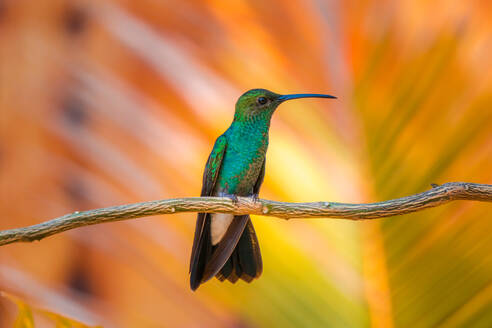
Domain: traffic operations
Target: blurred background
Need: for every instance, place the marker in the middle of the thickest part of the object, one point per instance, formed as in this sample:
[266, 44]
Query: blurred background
[112, 102]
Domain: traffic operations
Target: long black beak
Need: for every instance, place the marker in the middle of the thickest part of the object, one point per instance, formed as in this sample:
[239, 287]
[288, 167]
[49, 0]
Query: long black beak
[304, 95]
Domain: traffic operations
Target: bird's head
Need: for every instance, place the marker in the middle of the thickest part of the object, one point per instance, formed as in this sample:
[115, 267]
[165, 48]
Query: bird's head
[261, 103]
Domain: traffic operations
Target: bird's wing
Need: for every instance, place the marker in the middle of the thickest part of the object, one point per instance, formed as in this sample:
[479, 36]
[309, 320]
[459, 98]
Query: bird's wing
[259, 181]
[213, 165]
[212, 169]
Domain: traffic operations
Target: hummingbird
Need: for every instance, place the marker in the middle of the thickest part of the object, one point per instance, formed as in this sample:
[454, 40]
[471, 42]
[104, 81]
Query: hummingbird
[225, 245]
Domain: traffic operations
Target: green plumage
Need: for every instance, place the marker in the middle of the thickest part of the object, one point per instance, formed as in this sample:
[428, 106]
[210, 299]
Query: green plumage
[242, 163]
[226, 246]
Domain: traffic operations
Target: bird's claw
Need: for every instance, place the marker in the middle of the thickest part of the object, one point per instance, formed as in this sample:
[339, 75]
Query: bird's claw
[255, 198]
[232, 197]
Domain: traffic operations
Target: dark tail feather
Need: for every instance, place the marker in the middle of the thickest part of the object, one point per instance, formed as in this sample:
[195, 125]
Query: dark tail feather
[237, 256]
[245, 262]
[224, 249]
[202, 250]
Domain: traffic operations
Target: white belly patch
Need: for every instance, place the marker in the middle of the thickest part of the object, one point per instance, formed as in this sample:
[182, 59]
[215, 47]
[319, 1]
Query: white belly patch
[220, 223]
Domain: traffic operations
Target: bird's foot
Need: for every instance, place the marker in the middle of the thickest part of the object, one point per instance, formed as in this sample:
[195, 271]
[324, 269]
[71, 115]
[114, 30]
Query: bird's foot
[255, 198]
[232, 197]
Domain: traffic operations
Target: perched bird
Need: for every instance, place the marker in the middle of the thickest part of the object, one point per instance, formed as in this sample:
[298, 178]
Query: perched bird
[225, 245]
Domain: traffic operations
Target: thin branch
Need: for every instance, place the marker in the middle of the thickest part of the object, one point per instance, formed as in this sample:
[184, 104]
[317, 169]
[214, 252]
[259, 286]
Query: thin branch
[438, 195]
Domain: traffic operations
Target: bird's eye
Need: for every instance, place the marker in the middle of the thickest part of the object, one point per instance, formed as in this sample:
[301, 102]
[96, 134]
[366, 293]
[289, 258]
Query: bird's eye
[262, 100]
